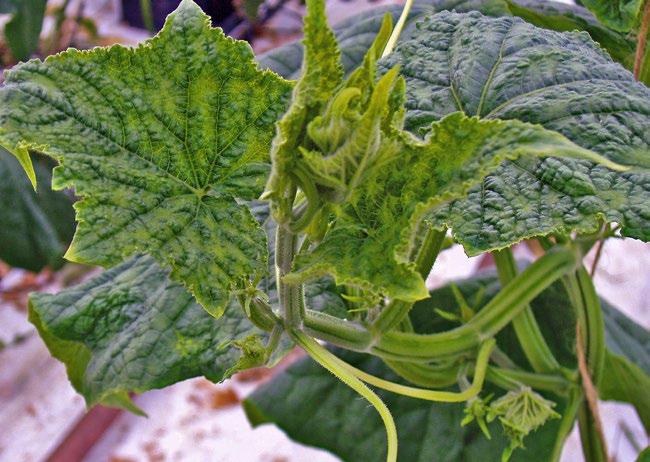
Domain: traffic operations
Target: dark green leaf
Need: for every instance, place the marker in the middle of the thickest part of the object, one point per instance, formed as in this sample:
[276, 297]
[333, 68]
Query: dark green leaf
[131, 329]
[161, 142]
[24, 28]
[508, 69]
[36, 227]
[565, 18]
[356, 33]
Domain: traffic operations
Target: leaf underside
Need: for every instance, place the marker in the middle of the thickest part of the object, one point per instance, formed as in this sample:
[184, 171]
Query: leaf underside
[507, 69]
[161, 142]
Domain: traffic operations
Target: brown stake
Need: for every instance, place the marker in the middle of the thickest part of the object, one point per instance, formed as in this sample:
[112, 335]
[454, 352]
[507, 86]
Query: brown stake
[591, 394]
[642, 40]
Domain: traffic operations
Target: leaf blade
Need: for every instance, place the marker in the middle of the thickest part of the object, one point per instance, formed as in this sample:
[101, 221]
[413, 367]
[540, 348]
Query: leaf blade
[558, 80]
[164, 139]
[131, 329]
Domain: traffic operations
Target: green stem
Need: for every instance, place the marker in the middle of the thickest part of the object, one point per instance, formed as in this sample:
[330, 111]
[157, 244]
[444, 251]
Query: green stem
[406, 346]
[512, 379]
[291, 296]
[341, 370]
[397, 30]
[582, 294]
[527, 330]
[425, 375]
[339, 332]
[566, 424]
[397, 310]
[507, 304]
[435, 395]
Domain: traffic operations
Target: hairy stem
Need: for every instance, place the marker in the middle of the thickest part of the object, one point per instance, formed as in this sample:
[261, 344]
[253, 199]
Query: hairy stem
[507, 304]
[642, 40]
[291, 296]
[528, 333]
[397, 310]
[397, 30]
[590, 437]
[341, 370]
[425, 375]
[262, 316]
[434, 395]
[406, 346]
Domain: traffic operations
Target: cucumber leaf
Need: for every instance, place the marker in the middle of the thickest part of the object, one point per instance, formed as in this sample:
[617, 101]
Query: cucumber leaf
[23, 30]
[508, 69]
[37, 226]
[131, 329]
[161, 143]
[563, 17]
[620, 15]
[356, 34]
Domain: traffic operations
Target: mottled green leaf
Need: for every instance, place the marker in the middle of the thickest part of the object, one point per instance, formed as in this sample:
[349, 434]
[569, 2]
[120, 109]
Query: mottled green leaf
[621, 15]
[160, 142]
[507, 69]
[131, 329]
[380, 219]
[23, 30]
[36, 226]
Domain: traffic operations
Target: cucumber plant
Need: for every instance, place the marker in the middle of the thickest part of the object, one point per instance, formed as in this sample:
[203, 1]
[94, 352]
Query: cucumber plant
[241, 213]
